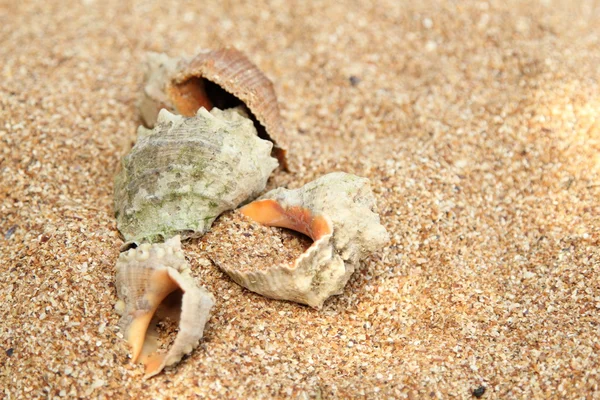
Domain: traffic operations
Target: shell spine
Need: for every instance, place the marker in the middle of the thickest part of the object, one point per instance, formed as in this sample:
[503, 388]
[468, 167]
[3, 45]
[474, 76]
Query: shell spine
[181, 175]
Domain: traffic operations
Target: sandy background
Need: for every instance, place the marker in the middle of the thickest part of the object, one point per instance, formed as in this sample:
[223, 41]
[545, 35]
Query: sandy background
[477, 122]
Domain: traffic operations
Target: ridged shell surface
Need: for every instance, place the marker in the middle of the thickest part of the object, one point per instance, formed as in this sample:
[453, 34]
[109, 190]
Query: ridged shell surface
[315, 276]
[338, 212]
[181, 175]
[147, 278]
[181, 86]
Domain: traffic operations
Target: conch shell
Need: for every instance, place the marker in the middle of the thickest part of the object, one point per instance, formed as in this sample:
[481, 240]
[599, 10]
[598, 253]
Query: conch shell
[153, 280]
[185, 172]
[337, 212]
[222, 78]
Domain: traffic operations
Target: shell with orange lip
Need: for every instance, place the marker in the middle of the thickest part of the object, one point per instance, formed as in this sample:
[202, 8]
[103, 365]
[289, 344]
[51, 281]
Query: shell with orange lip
[153, 281]
[223, 78]
[337, 211]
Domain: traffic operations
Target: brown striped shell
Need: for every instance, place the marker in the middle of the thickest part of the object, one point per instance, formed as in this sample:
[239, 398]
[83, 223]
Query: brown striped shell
[222, 78]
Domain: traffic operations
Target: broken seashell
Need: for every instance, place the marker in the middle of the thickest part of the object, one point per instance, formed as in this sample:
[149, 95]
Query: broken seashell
[337, 212]
[153, 281]
[222, 78]
[185, 172]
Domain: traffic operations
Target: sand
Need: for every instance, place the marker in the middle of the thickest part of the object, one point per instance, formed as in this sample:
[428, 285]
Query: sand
[478, 124]
[240, 244]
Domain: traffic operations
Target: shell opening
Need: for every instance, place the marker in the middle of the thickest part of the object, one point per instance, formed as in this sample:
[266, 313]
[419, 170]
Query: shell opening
[337, 211]
[223, 78]
[270, 213]
[195, 92]
[165, 323]
[163, 311]
[189, 96]
[164, 298]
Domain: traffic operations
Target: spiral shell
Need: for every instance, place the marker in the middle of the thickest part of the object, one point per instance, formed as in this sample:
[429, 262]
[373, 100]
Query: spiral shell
[222, 78]
[153, 280]
[181, 175]
[337, 211]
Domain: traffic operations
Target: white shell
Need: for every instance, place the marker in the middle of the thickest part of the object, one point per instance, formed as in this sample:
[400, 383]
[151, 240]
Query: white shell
[338, 212]
[149, 279]
[181, 175]
[158, 69]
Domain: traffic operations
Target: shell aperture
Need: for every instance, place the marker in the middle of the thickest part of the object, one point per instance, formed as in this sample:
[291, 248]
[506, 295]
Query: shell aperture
[153, 282]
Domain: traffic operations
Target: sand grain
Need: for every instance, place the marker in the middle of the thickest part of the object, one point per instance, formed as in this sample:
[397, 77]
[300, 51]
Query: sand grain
[478, 124]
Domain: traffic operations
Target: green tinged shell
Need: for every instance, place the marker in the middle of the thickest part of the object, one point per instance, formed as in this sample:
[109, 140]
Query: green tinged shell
[181, 175]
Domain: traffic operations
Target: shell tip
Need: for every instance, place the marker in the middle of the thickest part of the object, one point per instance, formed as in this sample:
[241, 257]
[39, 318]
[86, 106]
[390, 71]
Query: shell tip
[165, 116]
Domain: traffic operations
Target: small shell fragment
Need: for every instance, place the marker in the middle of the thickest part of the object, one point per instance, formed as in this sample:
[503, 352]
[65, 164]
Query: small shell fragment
[181, 175]
[337, 212]
[222, 78]
[154, 281]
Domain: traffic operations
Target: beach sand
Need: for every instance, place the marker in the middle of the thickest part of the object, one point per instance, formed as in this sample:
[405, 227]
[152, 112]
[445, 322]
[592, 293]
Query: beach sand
[478, 124]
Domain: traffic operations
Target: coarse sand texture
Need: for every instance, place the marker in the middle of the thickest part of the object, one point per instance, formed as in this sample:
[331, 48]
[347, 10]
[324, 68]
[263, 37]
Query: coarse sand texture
[476, 122]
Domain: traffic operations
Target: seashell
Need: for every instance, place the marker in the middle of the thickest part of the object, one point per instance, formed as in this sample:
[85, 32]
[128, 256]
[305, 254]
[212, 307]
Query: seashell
[185, 172]
[337, 211]
[153, 281]
[222, 78]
